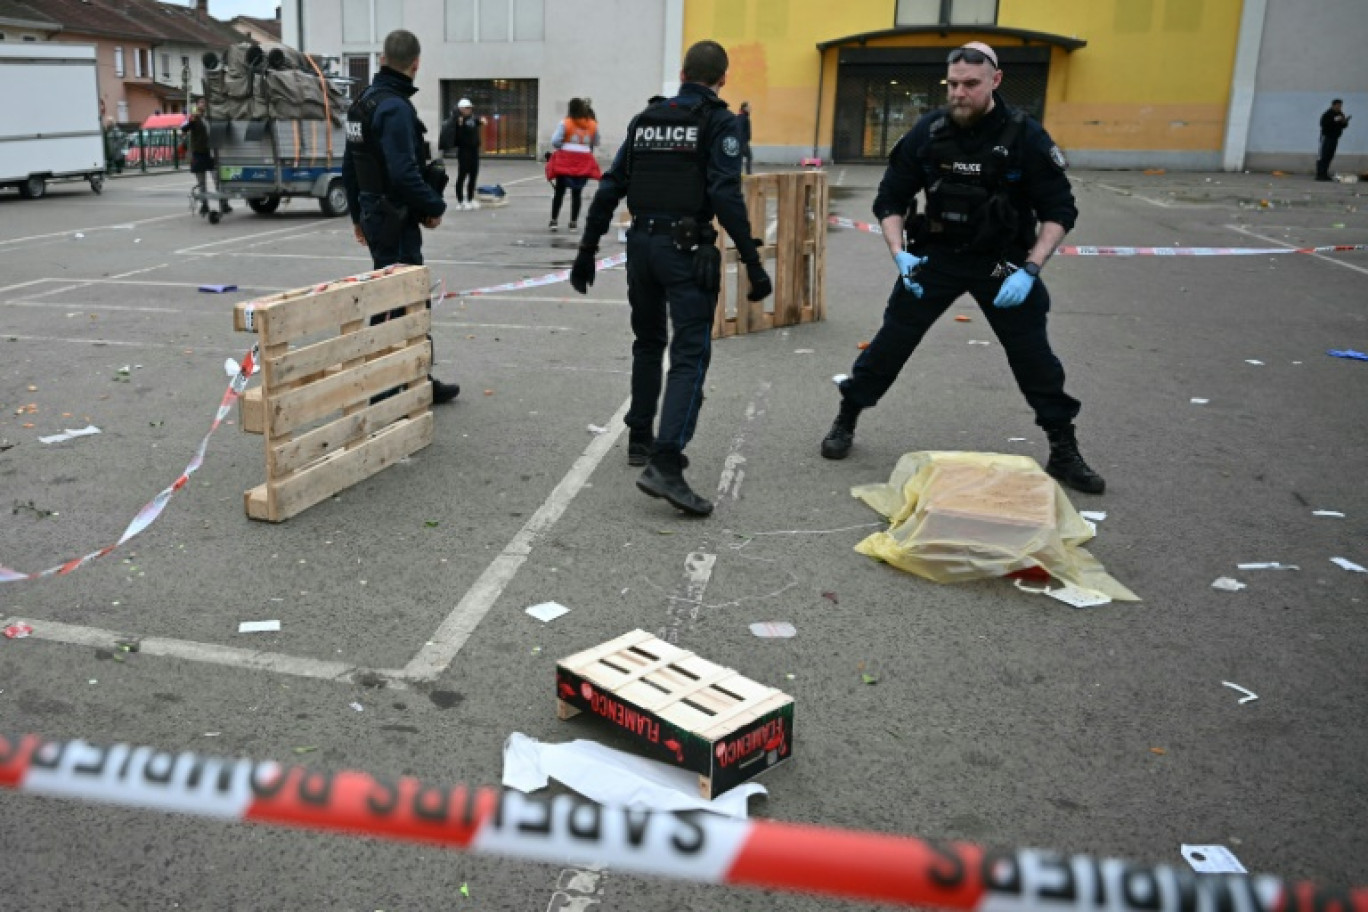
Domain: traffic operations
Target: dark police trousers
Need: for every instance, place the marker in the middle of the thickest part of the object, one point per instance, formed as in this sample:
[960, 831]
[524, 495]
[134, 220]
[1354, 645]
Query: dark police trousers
[405, 247]
[658, 273]
[1021, 330]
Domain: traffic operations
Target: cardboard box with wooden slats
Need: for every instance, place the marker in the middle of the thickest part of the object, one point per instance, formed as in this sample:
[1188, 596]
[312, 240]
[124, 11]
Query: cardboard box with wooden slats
[322, 366]
[679, 708]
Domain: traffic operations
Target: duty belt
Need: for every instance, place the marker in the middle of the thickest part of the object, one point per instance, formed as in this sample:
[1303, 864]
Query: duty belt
[657, 225]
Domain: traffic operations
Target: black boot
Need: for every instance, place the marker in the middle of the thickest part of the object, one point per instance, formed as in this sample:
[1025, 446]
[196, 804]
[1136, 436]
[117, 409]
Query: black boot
[664, 477]
[1066, 463]
[442, 393]
[838, 441]
[640, 445]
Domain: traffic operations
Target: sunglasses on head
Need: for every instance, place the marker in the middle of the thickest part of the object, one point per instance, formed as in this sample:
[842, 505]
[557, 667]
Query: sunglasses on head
[971, 56]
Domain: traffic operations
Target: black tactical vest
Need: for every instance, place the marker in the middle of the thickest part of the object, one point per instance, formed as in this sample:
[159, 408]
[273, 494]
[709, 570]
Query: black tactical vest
[669, 158]
[968, 203]
[369, 158]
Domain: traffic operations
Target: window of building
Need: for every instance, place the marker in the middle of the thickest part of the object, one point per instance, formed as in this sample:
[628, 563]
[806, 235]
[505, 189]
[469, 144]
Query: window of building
[495, 20]
[138, 71]
[358, 69]
[166, 67]
[118, 62]
[123, 111]
[946, 12]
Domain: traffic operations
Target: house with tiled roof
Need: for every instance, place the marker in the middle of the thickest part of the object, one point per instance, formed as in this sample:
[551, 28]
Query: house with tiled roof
[262, 31]
[22, 22]
[149, 53]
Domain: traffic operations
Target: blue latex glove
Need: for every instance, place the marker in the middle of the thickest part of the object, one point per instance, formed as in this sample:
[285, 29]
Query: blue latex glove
[909, 263]
[1015, 289]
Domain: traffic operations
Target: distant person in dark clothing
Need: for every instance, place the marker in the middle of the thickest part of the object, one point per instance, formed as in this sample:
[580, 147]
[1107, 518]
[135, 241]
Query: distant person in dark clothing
[743, 130]
[1332, 124]
[462, 133]
[202, 158]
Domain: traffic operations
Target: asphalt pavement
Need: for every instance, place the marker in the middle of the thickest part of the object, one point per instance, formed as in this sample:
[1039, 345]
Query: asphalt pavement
[975, 712]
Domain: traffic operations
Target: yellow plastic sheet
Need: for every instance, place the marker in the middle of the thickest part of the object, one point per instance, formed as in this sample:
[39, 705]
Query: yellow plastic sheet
[965, 516]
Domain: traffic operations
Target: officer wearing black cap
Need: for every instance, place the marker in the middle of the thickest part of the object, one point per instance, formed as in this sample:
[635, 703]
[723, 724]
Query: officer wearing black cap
[680, 166]
[998, 204]
[394, 189]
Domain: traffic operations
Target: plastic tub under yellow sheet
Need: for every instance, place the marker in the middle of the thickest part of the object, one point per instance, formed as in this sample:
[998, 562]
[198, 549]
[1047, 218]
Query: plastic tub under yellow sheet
[966, 516]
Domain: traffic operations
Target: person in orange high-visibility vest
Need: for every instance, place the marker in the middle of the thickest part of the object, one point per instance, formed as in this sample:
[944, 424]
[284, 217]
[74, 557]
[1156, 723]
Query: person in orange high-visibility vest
[572, 163]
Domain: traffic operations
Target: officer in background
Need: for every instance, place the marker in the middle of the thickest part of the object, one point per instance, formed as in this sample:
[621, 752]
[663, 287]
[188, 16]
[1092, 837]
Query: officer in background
[680, 166]
[990, 173]
[1332, 124]
[392, 187]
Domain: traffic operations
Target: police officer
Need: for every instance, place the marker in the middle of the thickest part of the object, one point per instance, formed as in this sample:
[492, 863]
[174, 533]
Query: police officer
[392, 187]
[990, 173]
[680, 165]
[1332, 124]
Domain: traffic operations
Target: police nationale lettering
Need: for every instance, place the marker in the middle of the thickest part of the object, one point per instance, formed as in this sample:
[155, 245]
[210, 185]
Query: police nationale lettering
[665, 138]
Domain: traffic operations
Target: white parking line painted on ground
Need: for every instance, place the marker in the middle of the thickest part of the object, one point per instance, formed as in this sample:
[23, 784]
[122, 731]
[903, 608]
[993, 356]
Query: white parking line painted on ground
[253, 659]
[68, 305]
[1319, 256]
[96, 342]
[443, 646]
[249, 238]
[118, 226]
[133, 272]
[454, 324]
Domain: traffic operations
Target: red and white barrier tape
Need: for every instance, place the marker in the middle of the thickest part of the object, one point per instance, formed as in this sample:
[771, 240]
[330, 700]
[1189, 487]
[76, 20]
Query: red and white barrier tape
[548, 279]
[686, 845]
[149, 513]
[1145, 251]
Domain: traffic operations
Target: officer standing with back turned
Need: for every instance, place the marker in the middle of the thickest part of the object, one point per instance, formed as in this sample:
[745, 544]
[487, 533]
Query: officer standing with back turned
[680, 165]
[394, 187]
[998, 204]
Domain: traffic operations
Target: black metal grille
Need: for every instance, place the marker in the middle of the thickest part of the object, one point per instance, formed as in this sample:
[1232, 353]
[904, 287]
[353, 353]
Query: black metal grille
[509, 107]
[878, 101]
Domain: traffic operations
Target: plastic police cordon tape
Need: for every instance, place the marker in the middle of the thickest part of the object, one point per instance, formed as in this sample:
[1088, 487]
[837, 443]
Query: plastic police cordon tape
[550, 278]
[1144, 251]
[149, 513]
[688, 845]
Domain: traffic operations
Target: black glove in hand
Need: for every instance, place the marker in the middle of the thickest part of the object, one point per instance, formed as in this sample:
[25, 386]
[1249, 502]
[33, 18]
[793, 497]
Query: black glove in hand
[582, 273]
[708, 268]
[760, 285]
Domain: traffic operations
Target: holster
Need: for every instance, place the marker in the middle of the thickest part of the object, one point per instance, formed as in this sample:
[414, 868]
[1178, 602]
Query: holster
[685, 234]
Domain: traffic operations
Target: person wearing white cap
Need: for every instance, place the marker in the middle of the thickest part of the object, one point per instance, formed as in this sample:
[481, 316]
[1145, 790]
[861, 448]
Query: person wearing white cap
[462, 133]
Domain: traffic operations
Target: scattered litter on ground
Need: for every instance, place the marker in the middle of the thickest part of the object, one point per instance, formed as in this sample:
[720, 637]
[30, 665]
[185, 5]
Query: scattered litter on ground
[838, 379]
[862, 346]
[1078, 598]
[357, 706]
[70, 434]
[1158, 750]
[595, 429]
[1347, 353]
[309, 749]
[1249, 695]
[547, 611]
[431, 523]
[258, 626]
[1094, 515]
[805, 351]
[1335, 513]
[1196, 401]
[465, 889]
[868, 678]
[489, 392]
[771, 630]
[1267, 565]
[218, 289]
[1254, 361]
[831, 597]
[1212, 859]
[1016, 440]
[961, 318]
[1347, 564]
[979, 342]
[18, 631]
[1227, 584]
[614, 778]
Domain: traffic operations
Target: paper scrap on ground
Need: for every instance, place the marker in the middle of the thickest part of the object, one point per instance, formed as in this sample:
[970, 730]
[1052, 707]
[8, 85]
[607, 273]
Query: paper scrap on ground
[773, 629]
[1094, 515]
[614, 778]
[1335, 513]
[70, 433]
[1079, 598]
[1347, 353]
[1212, 859]
[1270, 565]
[595, 429]
[1200, 401]
[1227, 584]
[547, 611]
[1347, 564]
[1253, 361]
[258, 626]
[1249, 695]
[218, 289]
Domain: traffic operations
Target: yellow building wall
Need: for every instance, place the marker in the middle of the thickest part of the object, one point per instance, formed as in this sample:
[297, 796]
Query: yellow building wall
[1155, 74]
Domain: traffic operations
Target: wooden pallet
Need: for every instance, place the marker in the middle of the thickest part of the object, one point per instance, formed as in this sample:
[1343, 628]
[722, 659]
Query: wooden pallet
[796, 261]
[682, 709]
[321, 365]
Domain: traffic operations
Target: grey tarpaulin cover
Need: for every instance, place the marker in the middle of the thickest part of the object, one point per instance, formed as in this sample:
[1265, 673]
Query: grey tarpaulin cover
[251, 84]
